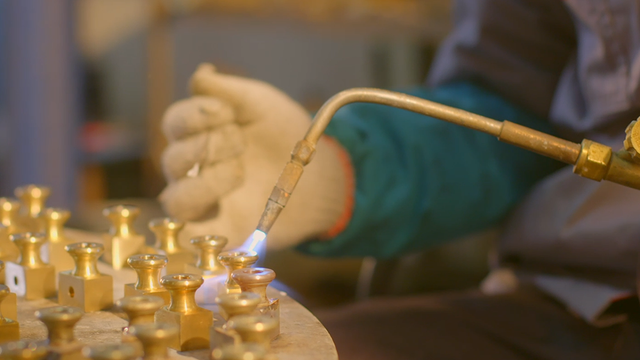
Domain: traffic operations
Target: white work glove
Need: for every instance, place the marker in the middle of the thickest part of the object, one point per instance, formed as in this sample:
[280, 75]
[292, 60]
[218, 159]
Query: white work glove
[241, 132]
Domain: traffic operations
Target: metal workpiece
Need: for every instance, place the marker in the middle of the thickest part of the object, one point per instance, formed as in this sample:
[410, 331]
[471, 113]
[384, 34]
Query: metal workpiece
[84, 286]
[154, 338]
[140, 310]
[60, 322]
[9, 328]
[8, 250]
[122, 241]
[244, 303]
[53, 252]
[166, 231]
[239, 352]
[192, 321]
[148, 267]
[29, 276]
[208, 248]
[256, 280]
[23, 350]
[10, 213]
[9, 302]
[33, 199]
[122, 351]
[234, 260]
[259, 329]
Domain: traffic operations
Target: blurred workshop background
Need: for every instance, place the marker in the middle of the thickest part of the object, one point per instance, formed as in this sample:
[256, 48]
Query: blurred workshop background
[84, 83]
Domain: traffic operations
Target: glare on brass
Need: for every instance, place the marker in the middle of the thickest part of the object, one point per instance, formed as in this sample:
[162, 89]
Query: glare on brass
[9, 328]
[55, 253]
[148, 268]
[243, 303]
[166, 231]
[209, 247]
[30, 276]
[122, 241]
[60, 321]
[234, 260]
[240, 352]
[23, 350]
[154, 338]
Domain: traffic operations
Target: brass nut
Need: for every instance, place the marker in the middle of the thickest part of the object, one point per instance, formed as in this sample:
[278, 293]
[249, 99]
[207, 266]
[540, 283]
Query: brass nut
[593, 162]
[207, 263]
[148, 268]
[122, 241]
[30, 277]
[234, 260]
[23, 350]
[53, 252]
[84, 286]
[60, 321]
[193, 322]
[166, 231]
[9, 328]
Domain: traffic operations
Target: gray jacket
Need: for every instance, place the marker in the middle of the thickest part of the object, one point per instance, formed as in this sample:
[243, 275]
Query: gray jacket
[577, 63]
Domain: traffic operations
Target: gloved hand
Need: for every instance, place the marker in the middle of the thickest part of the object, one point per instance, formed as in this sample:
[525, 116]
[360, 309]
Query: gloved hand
[240, 132]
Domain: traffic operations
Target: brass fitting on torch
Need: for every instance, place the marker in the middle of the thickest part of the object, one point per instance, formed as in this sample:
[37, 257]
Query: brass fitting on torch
[590, 159]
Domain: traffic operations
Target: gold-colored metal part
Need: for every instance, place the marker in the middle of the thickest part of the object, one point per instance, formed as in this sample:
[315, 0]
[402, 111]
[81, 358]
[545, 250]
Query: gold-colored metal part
[8, 225]
[257, 329]
[23, 350]
[207, 264]
[166, 231]
[256, 280]
[234, 260]
[30, 277]
[154, 338]
[122, 241]
[8, 304]
[140, 310]
[232, 305]
[84, 286]
[10, 214]
[248, 351]
[632, 140]
[122, 351]
[148, 267]
[33, 198]
[193, 321]
[60, 321]
[593, 161]
[9, 328]
[53, 252]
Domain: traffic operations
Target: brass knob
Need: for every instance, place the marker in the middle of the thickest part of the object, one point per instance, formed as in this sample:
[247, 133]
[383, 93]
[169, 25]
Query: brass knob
[154, 338]
[33, 197]
[234, 260]
[60, 321]
[209, 247]
[122, 351]
[9, 209]
[140, 309]
[54, 220]
[166, 231]
[254, 328]
[85, 255]
[23, 350]
[247, 351]
[29, 245]
[148, 268]
[238, 304]
[632, 140]
[255, 280]
[182, 288]
[121, 217]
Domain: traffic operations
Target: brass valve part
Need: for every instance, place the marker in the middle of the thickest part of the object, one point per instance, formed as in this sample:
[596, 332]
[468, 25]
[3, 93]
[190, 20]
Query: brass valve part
[255, 280]
[237, 304]
[248, 351]
[29, 245]
[122, 351]
[254, 328]
[122, 218]
[60, 321]
[54, 220]
[154, 338]
[182, 288]
[33, 198]
[23, 350]
[166, 231]
[209, 247]
[234, 260]
[9, 213]
[140, 309]
[85, 256]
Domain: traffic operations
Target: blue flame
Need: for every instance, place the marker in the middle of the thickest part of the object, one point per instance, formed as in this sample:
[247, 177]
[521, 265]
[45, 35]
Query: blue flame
[256, 242]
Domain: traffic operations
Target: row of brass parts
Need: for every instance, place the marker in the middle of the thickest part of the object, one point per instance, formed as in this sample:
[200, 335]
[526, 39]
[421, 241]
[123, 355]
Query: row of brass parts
[164, 311]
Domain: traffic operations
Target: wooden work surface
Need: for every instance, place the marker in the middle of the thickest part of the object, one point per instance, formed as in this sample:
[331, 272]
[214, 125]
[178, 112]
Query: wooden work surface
[302, 336]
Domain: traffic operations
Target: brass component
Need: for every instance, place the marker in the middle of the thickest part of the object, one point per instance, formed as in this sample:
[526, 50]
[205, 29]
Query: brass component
[193, 321]
[84, 286]
[8, 250]
[166, 231]
[10, 214]
[53, 252]
[254, 329]
[122, 241]
[148, 268]
[207, 264]
[154, 338]
[232, 305]
[33, 198]
[122, 351]
[632, 140]
[30, 277]
[23, 350]
[234, 260]
[256, 280]
[8, 304]
[594, 159]
[60, 321]
[9, 328]
[140, 310]
[246, 351]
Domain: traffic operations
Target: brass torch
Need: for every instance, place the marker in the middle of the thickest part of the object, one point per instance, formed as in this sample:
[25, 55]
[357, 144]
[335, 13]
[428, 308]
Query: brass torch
[590, 159]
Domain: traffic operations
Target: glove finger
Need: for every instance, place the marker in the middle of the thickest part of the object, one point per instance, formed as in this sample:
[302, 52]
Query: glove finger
[191, 198]
[193, 115]
[206, 148]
